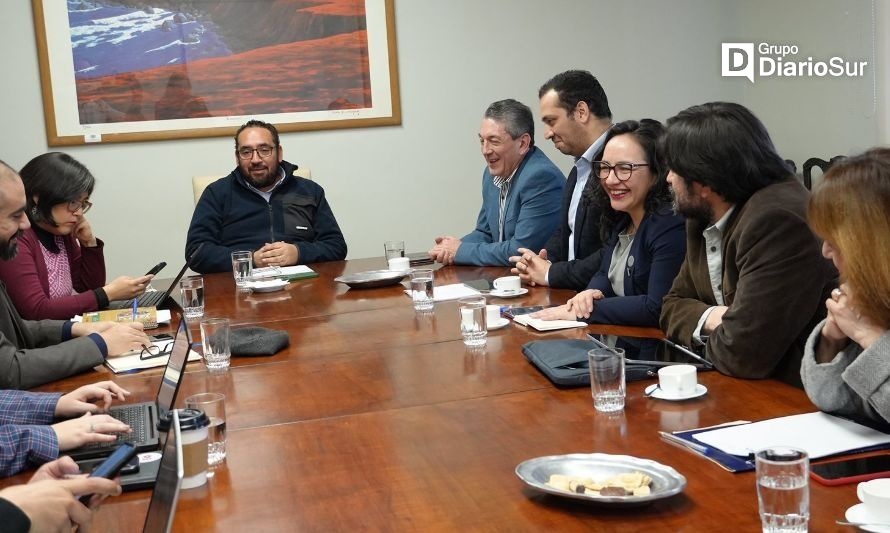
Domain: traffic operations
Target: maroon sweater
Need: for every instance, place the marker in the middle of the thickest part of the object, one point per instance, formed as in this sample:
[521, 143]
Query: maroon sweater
[27, 281]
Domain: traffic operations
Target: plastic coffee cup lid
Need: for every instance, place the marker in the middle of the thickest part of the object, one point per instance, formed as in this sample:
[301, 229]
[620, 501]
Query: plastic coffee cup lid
[189, 419]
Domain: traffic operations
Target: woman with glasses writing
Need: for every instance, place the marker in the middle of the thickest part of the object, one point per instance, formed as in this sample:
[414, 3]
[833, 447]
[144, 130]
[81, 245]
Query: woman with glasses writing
[645, 240]
[59, 270]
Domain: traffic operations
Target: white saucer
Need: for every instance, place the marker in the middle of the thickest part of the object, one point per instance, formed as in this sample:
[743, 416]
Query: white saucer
[655, 392]
[858, 513]
[501, 322]
[270, 285]
[508, 294]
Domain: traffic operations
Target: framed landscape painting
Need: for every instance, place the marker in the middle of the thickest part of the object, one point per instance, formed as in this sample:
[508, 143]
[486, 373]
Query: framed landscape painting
[135, 70]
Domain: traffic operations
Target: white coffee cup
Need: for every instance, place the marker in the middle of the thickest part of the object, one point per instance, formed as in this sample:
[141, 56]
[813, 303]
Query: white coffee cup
[875, 494]
[400, 264]
[677, 380]
[508, 284]
[492, 314]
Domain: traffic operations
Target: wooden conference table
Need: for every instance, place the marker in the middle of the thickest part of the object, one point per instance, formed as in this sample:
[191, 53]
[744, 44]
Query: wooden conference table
[377, 418]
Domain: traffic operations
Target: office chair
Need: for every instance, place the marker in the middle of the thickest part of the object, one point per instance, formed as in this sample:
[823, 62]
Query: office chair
[816, 162]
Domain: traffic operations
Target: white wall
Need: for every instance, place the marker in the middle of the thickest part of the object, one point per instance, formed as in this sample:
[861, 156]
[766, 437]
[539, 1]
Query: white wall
[421, 179]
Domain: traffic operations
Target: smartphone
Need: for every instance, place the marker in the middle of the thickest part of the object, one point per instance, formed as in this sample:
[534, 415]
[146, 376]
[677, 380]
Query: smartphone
[157, 268]
[161, 337]
[111, 466]
[843, 471]
[479, 284]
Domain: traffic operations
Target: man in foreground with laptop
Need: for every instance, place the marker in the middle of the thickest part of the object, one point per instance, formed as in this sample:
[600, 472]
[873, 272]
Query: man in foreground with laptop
[36, 352]
[49, 500]
[27, 434]
[264, 207]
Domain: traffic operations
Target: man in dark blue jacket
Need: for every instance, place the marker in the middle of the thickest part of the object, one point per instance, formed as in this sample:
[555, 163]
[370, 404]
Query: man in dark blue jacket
[264, 207]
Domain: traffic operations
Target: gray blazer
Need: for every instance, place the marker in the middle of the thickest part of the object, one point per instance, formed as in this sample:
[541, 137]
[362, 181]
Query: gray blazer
[32, 352]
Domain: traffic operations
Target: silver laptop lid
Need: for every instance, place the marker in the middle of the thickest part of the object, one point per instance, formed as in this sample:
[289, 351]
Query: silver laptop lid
[162, 508]
[175, 370]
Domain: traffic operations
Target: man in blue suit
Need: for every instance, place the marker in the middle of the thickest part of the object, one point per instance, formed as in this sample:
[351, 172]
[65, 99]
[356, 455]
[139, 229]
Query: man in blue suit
[521, 193]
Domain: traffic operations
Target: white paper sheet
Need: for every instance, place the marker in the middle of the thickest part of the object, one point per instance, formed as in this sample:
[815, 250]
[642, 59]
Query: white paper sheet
[444, 293]
[548, 325]
[818, 433]
[275, 272]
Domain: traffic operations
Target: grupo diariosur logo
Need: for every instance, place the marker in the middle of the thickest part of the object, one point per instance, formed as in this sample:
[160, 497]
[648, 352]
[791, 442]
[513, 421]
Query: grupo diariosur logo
[783, 60]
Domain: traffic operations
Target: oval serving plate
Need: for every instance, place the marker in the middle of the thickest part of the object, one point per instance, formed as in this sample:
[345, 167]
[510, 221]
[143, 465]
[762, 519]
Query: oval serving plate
[599, 466]
[372, 278]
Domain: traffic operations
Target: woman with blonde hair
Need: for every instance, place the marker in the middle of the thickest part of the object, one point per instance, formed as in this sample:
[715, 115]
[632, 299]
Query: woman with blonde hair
[846, 364]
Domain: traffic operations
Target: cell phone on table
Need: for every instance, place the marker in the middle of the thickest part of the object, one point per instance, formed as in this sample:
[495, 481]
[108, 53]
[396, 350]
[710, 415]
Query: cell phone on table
[110, 467]
[157, 268]
[843, 471]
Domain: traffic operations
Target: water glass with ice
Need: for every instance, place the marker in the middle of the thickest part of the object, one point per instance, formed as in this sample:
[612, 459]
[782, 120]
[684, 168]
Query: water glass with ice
[607, 378]
[422, 288]
[473, 320]
[214, 406]
[783, 491]
[192, 292]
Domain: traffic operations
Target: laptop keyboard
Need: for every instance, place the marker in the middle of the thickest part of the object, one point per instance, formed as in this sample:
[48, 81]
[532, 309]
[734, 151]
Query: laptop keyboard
[148, 299]
[132, 415]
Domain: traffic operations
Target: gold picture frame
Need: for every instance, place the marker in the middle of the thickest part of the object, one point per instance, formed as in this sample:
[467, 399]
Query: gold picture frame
[126, 70]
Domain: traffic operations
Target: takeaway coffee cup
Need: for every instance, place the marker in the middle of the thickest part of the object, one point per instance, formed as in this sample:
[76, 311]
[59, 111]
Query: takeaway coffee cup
[677, 380]
[193, 426]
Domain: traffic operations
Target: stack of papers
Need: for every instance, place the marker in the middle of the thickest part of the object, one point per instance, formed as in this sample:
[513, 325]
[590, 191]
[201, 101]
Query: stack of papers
[733, 445]
[444, 293]
[547, 325]
[288, 272]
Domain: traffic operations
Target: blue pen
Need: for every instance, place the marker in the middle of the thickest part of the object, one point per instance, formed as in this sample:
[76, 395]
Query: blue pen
[135, 307]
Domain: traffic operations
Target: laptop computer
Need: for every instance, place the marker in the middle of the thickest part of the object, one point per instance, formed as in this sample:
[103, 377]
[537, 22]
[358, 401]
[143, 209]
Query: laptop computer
[165, 495]
[143, 417]
[155, 298]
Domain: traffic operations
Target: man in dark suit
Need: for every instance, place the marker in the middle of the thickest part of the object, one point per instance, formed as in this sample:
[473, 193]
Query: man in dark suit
[576, 112]
[753, 283]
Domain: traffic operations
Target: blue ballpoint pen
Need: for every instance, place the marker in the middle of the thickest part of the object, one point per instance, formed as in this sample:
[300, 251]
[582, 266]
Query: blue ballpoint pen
[135, 308]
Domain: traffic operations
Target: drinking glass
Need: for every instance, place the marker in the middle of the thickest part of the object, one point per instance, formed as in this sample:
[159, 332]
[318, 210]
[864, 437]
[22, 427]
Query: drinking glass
[422, 288]
[242, 267]
[607, 378]
[215, 344]
[214, 406]
[473, 321]
[393, 249]
[192, 292]
[783, 491]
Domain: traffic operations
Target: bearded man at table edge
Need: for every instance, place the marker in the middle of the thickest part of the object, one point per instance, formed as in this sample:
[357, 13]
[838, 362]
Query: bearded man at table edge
[264, 207]
[752, 285]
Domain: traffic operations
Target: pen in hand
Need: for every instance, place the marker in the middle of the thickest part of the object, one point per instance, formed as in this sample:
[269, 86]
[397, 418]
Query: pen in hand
[135, 308]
